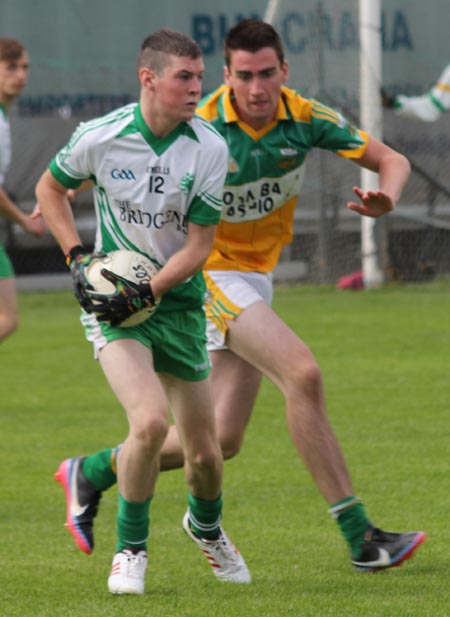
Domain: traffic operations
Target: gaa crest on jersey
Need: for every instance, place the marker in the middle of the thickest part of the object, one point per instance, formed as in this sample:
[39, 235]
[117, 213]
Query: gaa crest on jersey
[288, 163]
[233, 167]
[186, 182]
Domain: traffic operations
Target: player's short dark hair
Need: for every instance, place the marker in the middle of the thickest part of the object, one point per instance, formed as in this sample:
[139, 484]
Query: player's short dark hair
[252, 35]
[157, 47]
[10, 49]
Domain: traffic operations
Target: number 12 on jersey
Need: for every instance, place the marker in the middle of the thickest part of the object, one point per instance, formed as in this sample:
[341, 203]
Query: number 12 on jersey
[156, 184]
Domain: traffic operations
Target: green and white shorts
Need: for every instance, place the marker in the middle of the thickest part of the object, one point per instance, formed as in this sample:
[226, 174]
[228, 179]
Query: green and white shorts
[6, 268]
[177, 340]
[229, 292]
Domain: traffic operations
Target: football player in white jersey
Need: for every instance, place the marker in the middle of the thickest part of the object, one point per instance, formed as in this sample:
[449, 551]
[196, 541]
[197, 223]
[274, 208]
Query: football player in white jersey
[270, 129]
[158, 174]
[14, 69]
[427, 107]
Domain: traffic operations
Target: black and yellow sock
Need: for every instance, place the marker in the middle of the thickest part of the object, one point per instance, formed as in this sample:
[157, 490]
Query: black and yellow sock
[353, 522]
[100, 468]
[133, 521]
[205, 516]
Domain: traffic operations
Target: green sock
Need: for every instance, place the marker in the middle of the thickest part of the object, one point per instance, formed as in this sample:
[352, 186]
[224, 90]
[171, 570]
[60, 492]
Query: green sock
[133, 521]
[204, 516]
[353, 522]
[100, 468]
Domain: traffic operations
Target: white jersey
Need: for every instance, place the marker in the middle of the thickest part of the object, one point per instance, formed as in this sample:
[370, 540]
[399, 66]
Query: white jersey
[5, 144]
[146, 188]
[430, 106]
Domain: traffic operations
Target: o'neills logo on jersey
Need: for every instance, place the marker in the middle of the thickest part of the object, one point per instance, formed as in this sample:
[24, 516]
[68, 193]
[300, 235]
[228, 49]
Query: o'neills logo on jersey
[202, 367]
[135, 216]
[288, 151]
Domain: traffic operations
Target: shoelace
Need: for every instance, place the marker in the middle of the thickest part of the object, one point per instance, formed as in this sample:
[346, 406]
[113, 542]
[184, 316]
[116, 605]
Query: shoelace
[135, 563]
[226, 548]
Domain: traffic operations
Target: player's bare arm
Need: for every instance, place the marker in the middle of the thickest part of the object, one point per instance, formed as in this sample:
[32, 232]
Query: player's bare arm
[187, 261]
[393, 169]
[56, 210]
[14, 214]
[70, 194]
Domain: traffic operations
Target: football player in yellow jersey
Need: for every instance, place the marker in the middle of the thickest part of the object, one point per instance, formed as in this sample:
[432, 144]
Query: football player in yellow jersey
[269, 130]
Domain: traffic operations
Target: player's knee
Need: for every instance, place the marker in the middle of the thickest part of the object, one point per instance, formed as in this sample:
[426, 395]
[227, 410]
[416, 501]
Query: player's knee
[205, 459]
[231, 445]
[152, 433]
[306, 377]
[8, 324]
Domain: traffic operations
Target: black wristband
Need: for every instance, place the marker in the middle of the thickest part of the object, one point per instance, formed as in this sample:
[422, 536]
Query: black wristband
[74, 252]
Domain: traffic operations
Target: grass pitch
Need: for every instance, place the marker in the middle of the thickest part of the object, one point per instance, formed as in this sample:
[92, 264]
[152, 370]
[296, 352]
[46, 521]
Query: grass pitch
[385, 359]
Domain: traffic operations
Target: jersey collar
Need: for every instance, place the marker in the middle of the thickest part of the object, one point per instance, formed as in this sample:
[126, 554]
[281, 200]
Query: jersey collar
[3, 109]
[156, 143]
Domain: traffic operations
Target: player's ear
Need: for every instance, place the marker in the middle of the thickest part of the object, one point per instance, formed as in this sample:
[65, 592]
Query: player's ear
[285, 70]
[227, 75]
[146, 77]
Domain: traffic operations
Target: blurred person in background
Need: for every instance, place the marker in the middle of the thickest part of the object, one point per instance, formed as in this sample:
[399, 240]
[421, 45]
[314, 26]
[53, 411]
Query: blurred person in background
[427, 107]
[14, 69]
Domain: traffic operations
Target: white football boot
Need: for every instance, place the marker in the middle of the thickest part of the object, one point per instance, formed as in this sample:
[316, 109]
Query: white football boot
[225, 560]
[128, 572]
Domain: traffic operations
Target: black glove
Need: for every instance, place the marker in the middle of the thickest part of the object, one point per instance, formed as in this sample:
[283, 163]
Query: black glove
[78, 258]
[113, 315]
[128, 299]
[387, 100]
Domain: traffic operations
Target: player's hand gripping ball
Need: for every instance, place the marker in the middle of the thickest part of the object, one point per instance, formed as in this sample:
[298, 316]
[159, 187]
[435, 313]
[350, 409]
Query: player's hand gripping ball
[78, 259]
[121, 279]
